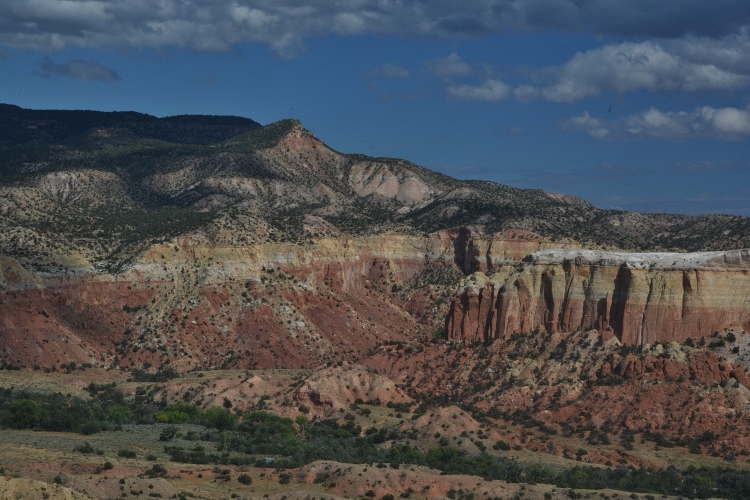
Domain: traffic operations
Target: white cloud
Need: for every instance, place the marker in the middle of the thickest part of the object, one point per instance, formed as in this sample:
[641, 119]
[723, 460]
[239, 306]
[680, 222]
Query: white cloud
[586, 123]
[285, 24]
[729, 124]
[350, 23]
[526, 93]
[732, 122]
[449, 67]
[687, 65]
[489, 91]
[391, 71]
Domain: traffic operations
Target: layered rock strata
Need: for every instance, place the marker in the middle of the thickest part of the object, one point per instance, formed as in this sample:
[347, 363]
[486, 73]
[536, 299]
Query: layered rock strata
[641, 298]
[272, 304]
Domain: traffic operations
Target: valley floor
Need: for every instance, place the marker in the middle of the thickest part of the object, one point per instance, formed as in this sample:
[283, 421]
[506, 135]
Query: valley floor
[153, 460]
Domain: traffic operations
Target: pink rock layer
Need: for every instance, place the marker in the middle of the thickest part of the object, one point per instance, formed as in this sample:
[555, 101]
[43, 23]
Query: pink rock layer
[190, 304]
[640, 298]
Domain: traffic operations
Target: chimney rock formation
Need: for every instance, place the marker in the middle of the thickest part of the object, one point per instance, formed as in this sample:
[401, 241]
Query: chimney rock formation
[641, 298]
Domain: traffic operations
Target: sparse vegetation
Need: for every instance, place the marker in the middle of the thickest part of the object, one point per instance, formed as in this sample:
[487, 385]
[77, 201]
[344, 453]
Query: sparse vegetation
[139, 195]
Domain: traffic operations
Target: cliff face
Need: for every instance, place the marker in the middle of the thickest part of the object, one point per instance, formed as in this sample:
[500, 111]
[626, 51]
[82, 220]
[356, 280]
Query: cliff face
[475, 251]
[261, 247]
[272, 304]
[639, 298]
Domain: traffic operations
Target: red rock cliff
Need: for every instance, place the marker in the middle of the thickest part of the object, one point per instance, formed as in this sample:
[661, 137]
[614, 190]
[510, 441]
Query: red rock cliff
[192, 303]
[640, 298]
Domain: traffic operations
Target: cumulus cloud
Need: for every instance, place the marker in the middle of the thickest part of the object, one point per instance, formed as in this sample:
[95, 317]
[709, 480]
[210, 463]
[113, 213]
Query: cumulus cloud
[730, 124]
[285, 24]
[448, 67]
[391, 71]
[79, 70]
[489, 91]
[219, 25]
[689, 64]
[279, 22]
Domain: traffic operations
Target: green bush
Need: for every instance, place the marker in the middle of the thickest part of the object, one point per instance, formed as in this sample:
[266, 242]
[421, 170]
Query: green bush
[156, 470]
[84, 448]
[219, 418]
[27, 414]
[119, 414]
[501, 445]
[92, 427]
[169, 433]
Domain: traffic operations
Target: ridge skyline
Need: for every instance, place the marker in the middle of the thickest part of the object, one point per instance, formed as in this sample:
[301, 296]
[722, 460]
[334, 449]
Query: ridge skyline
[238, 120]
[629, 107]
[94, 189]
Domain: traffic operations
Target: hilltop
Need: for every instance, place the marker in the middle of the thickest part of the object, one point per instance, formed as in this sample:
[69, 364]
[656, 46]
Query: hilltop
[91, 189]
[140, 240]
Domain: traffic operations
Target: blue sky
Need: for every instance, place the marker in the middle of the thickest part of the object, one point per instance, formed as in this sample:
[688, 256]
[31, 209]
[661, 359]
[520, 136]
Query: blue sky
[635, 105]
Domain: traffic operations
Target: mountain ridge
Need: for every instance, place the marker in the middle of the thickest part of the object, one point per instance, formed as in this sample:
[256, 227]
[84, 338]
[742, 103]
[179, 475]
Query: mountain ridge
[285, 168]
[37, 125]
[121, 251]
[260, 232]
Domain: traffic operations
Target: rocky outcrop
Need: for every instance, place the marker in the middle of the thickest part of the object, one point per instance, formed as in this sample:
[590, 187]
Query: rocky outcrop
[476, 251]
[84, 187]
[702, 365]
[640, 298]
[28, 488]
[273, 304]
[14, 276]
[368, 178]
[337, 387]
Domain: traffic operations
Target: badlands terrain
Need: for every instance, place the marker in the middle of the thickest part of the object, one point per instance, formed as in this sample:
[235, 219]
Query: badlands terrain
[201, 306]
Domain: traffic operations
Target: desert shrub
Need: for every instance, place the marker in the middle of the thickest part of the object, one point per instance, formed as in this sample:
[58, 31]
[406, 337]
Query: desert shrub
[169, 433]
[84, 448]
[160, 376]
[223, 474]
[156, 470]
[501, 445]
[92, 427]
